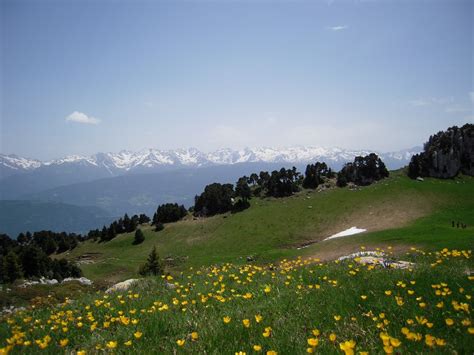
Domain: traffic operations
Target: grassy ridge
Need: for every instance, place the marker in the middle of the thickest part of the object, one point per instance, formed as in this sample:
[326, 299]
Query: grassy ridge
[293, 307]
[396, 211]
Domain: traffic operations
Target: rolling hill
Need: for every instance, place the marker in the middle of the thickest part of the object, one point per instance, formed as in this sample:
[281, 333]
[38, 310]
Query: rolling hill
[396, 211]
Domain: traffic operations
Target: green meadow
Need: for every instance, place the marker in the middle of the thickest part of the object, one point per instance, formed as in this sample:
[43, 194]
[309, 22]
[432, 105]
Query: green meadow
[396, 211]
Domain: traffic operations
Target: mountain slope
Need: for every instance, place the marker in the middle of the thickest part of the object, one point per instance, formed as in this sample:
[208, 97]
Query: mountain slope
[23, 216]
[396, 211]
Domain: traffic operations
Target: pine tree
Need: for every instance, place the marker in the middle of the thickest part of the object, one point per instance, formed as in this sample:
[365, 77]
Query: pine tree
[139, 237]
[153, 265]
[11, 267]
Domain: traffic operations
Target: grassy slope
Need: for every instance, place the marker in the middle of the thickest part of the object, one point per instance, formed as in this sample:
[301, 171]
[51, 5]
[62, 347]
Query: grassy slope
[397, 211]
[353, 302]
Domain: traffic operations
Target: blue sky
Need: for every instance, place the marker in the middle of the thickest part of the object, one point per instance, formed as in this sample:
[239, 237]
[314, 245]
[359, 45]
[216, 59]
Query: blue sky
[80, 77]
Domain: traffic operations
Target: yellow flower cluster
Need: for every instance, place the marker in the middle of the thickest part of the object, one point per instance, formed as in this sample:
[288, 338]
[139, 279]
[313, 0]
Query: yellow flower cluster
[120, 322]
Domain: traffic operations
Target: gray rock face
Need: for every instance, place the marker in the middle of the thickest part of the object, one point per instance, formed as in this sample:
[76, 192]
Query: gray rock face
[459, 157]
[446, 154]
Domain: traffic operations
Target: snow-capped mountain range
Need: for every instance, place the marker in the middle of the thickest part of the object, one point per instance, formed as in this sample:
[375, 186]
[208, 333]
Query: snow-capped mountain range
[127, 161]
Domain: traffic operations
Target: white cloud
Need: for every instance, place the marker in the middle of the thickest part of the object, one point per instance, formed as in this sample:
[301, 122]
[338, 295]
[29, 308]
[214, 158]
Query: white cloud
[338, 28]
[432, 101]
[419, 102]
[80, 117]
[456, 109]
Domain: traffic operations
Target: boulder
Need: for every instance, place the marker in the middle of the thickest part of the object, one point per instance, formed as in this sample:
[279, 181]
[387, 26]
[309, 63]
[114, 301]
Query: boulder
[121, 286]
[386, 263]
[81, 280]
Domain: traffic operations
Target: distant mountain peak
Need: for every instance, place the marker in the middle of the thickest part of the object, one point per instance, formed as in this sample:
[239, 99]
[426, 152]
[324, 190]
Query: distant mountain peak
[126, 160]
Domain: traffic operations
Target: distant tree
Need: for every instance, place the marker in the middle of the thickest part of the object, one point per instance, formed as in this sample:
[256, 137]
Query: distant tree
[159, 227]
[125, 222]
[143, 218]
[63, 245]
[315, 175]
[242, 189]
[253, 179]
[61, 268]
[341, 180]
[282, 183]
[169, 212]
[363, 171]
[34, 261]
[22, 239]
[139, 237]
[216, 198]
[11, 268]
[112, 231]
[263, 178]
[133, 224]
[50, 246]
[6, 244]
[153, 265]
[418, 166]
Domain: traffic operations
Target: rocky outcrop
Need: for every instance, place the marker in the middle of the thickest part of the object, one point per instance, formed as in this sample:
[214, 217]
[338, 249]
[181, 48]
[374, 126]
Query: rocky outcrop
[446, 154]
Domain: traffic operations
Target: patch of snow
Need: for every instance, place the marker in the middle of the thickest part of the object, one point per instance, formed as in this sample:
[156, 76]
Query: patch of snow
[347, 232]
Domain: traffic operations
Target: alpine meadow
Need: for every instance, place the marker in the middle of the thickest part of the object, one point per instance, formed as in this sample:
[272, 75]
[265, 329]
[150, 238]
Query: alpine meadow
[244, 177]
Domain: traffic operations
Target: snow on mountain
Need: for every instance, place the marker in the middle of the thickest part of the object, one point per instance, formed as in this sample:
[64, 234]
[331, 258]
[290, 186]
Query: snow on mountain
[72, 159]
[405, 154]
[125, 161]
[18, 163]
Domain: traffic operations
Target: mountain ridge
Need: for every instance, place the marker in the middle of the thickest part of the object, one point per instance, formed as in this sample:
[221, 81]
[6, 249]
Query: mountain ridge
[128, 161]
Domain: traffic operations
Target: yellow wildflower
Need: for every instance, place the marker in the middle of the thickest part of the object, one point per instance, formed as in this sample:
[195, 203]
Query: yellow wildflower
[111, 344]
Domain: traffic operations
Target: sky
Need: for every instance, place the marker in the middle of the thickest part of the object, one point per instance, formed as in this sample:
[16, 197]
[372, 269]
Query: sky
[81, 77]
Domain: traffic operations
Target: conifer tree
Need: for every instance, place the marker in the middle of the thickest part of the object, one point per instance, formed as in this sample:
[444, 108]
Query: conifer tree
[139, 237]
[153, 265]
[11, 267]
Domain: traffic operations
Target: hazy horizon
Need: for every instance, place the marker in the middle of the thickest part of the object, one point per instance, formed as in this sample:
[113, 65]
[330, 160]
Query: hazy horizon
[84, 77]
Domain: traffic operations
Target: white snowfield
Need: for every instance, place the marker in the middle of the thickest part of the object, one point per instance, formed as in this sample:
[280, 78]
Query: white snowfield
[191, 157]
[347, 232]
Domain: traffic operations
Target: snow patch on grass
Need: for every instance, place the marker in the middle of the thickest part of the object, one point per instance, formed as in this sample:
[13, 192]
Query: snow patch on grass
[347, 232]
